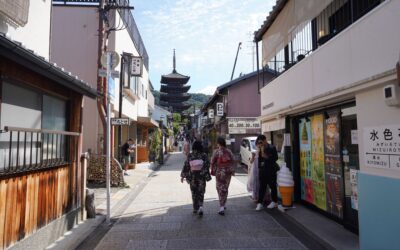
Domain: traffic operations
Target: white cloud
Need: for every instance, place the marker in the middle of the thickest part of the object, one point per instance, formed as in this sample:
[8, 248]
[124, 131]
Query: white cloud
[205, 34]
[208, 90]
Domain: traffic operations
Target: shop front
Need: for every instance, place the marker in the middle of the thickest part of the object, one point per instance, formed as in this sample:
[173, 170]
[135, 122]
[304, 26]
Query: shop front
[325, 158]
[145, 124]
[274, 131]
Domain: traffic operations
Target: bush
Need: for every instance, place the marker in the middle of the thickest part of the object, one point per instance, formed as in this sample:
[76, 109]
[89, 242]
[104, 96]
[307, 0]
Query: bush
[155, 144]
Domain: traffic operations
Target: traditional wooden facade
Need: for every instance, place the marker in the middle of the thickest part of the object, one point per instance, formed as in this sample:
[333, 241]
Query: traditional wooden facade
[40, 169]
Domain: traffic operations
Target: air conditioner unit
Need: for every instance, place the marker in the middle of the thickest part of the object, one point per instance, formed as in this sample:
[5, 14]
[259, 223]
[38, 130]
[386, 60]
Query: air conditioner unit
[391, 94]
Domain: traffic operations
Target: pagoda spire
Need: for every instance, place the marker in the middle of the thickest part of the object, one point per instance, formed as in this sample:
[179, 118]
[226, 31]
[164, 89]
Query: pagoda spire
[174, 63]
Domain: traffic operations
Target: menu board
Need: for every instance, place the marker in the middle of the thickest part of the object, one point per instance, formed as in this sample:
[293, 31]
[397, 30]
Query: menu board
[307, 189]
[318, 164]
[333, 166]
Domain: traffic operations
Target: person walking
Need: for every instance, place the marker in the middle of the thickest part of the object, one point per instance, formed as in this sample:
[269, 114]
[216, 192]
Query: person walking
[267, 172]
[196, 171]
[223, 167]
[205, 145]
[126, 150]
[186, 146]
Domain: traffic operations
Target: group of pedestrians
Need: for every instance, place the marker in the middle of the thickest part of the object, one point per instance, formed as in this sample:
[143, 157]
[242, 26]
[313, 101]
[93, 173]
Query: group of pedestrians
[198, 169]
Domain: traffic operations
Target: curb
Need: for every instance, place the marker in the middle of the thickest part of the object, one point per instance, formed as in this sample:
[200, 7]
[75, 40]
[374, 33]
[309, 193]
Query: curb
[89, 236]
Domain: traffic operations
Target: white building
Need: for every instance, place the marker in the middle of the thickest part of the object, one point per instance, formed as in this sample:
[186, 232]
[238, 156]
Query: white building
[80, 22]
[336, 95]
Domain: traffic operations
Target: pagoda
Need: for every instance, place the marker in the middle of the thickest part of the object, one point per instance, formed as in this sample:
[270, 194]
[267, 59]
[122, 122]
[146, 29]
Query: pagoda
[173, 91]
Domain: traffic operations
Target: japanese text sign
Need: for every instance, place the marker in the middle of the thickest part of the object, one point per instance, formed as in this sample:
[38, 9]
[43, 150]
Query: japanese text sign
[382, 147]
[220, 109]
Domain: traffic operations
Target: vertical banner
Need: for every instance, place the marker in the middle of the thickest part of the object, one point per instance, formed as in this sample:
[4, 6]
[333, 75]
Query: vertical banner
[318, 168]
[333, 166]
[307, 189]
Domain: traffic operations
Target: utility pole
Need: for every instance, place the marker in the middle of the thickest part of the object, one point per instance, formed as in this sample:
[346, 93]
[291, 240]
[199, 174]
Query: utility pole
[101, 88]
[234, 65]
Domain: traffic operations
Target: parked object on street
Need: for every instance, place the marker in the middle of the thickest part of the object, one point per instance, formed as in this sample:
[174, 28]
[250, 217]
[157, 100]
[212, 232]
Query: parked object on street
[196, 171]
[247, 149]
[89, 204]
[286, 185]
[223, 167]
[96, 171]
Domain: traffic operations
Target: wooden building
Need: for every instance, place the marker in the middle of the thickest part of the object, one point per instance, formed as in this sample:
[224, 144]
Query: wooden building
[173, 91]
[41, 178]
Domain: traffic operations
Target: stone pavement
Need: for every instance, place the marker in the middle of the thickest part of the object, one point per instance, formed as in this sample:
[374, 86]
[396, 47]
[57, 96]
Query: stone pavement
[160, 217]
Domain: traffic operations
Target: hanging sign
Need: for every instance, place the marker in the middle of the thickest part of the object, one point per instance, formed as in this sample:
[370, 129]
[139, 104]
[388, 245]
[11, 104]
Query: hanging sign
[220, 109]
[136, 66]
[211, 113]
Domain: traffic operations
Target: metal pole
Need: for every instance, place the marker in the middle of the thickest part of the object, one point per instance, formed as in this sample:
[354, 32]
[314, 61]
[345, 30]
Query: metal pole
[120, 108]
[161, 159]
[234, 65]
[258, 68]
[108, 143]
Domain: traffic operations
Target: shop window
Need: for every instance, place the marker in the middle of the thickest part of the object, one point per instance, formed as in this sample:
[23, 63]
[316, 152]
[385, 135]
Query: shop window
[325, 151]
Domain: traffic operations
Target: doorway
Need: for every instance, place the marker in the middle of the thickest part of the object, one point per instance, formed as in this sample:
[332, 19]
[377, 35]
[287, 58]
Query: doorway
[350, 161]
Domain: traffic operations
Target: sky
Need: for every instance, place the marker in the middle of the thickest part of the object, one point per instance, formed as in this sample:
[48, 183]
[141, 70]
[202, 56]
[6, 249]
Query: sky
[205, 34]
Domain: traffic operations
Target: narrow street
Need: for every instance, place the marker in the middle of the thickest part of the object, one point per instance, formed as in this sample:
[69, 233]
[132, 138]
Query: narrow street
[161, 218]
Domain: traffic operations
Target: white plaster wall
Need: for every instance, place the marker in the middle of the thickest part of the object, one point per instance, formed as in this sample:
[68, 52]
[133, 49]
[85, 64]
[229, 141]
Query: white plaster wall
[74, 40]
[122, 42]
[369, 47]
[158, 112]
[373, 112]
[35, 35]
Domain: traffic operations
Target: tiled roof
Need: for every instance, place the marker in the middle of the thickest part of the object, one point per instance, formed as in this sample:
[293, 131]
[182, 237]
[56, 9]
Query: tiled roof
[16, 52]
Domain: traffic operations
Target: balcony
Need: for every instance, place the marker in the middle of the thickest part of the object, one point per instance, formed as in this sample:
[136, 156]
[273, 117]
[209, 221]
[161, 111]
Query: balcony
[348, 58]
[306, 37]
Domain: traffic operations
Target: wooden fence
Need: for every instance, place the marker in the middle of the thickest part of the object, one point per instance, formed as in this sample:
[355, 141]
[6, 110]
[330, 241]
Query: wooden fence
[30, 202]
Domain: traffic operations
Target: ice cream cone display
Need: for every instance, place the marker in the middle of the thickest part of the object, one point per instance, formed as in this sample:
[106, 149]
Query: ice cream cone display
[286, 185]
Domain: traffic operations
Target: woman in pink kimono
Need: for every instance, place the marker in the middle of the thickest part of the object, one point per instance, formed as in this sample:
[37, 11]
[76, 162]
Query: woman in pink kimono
[223, 167]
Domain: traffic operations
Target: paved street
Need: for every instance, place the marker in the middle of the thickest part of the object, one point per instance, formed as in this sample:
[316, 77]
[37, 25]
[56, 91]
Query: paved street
[161, 218]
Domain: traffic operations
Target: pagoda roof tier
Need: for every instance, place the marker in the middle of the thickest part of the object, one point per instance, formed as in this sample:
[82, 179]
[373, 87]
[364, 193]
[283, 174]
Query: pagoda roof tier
[174, 77]
[174, 88]
[176, 105]
[180, 109]
[174, 97]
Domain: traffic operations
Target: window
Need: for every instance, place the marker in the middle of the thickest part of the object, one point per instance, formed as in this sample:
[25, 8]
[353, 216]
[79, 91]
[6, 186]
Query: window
[27, 109]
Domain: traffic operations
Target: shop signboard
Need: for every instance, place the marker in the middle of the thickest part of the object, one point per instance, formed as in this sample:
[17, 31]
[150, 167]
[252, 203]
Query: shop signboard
[333, 166]
[307, 189]
[220, 109]
[211, 113]
[354, 188]
[243, 125]
[317, 156]
[382, 147]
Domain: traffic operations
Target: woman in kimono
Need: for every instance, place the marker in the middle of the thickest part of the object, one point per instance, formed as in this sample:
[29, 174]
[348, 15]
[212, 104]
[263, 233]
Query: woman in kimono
[223, 167]
[196, 171]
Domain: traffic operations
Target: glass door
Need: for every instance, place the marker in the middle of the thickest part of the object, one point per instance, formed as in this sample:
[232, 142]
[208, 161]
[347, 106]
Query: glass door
[349, 138]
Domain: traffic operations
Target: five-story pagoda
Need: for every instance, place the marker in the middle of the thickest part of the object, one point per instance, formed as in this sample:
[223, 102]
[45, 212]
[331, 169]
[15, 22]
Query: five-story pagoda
[173, 92]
